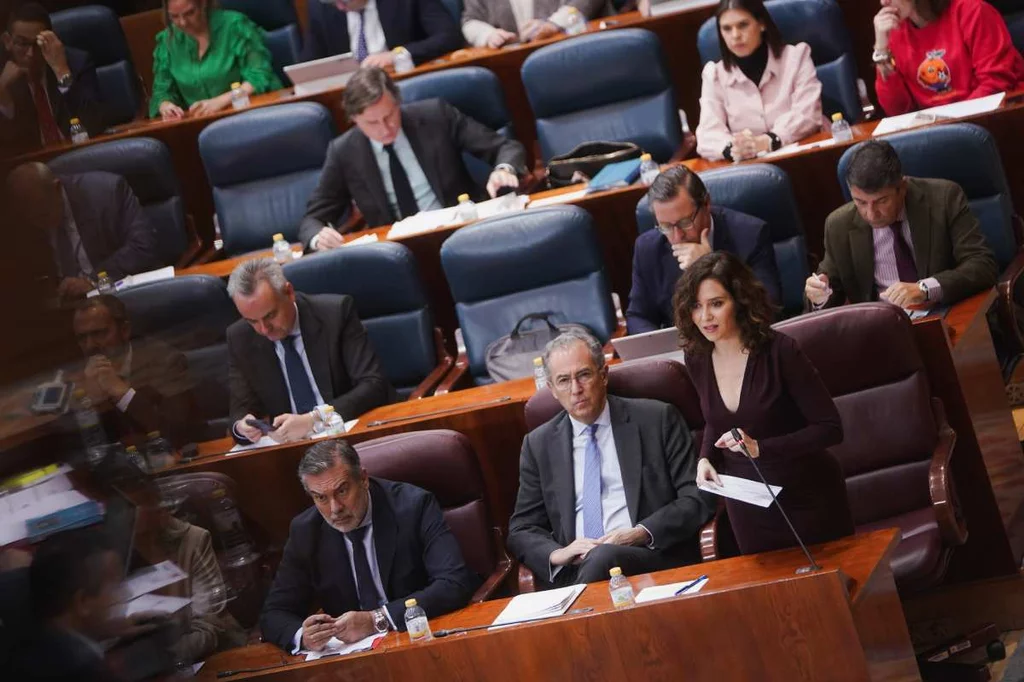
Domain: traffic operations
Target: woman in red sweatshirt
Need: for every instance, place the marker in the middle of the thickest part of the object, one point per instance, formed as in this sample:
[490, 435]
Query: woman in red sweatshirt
[933, 52]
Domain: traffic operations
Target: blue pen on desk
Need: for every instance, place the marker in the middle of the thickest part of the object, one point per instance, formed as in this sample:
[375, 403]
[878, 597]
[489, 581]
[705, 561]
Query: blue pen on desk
[690, 584]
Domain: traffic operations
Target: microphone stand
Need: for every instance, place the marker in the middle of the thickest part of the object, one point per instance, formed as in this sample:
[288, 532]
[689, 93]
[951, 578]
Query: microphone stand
[803, 569]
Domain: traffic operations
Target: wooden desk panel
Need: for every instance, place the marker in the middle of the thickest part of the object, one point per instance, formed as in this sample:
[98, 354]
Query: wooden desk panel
[844, 623]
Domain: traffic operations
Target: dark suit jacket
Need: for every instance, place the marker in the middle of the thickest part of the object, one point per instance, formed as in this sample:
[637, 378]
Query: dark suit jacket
[163, 400]
[438, 133]
[948, 245]
[659, 470]
[82, 101]
[343, 362]
[656, 270]
[116, 234]
[417, 555]
[423, 27]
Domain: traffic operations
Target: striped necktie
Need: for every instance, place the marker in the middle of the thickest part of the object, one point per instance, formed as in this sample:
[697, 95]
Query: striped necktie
[593, 514]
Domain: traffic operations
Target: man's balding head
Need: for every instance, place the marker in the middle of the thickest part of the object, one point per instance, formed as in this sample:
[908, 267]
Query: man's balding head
[36, 191]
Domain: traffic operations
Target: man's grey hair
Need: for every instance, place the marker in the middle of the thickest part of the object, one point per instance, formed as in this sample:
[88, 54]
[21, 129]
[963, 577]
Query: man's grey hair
[567, 339]
[366, 86]
[326, 455]
[247, 276]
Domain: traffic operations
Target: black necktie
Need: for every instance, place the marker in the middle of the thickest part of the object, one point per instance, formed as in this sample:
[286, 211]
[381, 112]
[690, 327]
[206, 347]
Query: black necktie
[400, 181]
[368, 597]
[298, 379]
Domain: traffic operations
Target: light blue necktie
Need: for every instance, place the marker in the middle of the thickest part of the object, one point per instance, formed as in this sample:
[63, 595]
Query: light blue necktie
[593, 515]
[362, 51]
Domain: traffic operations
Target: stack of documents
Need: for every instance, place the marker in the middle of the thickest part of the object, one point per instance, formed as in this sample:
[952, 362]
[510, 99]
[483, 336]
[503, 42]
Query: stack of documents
[538, 605]
[137, 589]
[742, 489]
[425, 221]
[268, 442]
[914, 119]
[671, 590]
[335, 647]
[48, 506]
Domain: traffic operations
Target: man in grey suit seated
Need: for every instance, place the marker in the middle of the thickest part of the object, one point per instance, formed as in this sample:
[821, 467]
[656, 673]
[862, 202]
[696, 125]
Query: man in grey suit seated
[399, 160]
[608, 482]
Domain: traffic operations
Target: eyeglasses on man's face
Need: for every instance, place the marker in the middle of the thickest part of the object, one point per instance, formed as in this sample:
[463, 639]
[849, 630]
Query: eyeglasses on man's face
[683, 225]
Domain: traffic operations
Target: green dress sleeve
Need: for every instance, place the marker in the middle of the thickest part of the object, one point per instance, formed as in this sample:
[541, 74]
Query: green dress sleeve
[164, 87]
[253, 57]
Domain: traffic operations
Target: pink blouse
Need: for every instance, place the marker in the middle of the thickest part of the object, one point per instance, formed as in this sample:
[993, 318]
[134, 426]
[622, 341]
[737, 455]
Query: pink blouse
[787, 102]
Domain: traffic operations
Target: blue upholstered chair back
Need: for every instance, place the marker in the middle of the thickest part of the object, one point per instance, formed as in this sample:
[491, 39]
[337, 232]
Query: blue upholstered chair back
[763, 191]
[1013, 15]
[474, 91]
[819, 23]
[146, 164]
[611, 86]
[97, 30]
[384, 282]
[454, 8]
[263, 164]
[277, 18]
[966, 154]
[542, 260]
[191, 313]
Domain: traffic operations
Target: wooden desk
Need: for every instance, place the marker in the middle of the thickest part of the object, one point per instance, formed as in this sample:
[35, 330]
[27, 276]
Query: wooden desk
[754, 620]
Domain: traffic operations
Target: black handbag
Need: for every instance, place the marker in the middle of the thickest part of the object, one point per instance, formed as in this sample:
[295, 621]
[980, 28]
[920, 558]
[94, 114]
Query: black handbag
[586, 160]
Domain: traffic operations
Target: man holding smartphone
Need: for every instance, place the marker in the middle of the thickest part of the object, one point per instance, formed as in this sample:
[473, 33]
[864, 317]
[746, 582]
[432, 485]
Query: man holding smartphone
[293, 354]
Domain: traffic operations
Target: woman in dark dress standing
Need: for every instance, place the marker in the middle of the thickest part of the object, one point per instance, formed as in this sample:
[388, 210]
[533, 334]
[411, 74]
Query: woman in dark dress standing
[757, 380]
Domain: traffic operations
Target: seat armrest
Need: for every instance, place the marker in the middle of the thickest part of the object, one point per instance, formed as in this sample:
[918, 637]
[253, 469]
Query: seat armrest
[716, 538]
[709, 540]
[1006, 288]
[194, 248]
[686, 149]
[499, 577]
[946, 505]
[444, 364]
[458, 377]
[526, 581]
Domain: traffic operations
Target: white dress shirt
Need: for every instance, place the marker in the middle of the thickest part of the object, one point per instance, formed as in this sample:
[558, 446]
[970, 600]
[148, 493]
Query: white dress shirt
[126, 368]
[300, 348]
[614, 511]
[375, 40]
[426, 200]
[371, 558]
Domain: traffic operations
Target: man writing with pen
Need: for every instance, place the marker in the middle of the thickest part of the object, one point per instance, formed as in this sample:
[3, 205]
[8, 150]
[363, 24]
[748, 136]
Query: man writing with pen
[366, 546]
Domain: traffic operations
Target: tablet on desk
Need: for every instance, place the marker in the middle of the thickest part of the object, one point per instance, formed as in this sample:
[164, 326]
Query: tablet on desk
[321, 74]
[660, 344]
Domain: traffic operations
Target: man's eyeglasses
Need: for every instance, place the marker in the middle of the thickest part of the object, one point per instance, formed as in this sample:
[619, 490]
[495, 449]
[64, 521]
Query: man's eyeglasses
[585, 377]
[23, 43]
[683, 225]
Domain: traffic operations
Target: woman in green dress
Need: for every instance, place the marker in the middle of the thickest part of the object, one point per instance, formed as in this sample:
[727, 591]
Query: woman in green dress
[200, 54]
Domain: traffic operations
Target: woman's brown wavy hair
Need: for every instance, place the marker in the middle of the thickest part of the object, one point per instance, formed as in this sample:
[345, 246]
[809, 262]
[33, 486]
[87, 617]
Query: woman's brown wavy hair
[751, 305]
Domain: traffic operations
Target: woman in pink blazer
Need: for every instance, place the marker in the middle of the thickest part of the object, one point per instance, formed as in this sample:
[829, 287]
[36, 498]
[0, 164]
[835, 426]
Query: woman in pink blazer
[763, 94]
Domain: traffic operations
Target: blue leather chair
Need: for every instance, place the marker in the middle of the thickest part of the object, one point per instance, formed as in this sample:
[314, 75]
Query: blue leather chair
[967, 154]
[1013, 14]
[283, 36]
[97, 30]
[263, 164]
[504, 268]
[146, 164]
[611, 86]
[473, 90]
[819, 23]
[763, 191]
[191, 313]
[384, 282]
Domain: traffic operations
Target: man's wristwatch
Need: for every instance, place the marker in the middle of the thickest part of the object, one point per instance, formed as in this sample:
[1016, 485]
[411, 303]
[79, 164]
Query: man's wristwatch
[507, 168]
[65, 80]
[380, 620]
[924, 288]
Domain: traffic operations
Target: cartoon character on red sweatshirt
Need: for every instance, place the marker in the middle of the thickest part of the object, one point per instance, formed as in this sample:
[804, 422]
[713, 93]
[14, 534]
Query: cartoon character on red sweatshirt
[933, 73]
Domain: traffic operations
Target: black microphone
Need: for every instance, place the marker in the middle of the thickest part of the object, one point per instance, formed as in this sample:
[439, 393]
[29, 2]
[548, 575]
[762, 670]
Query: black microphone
[743, 448]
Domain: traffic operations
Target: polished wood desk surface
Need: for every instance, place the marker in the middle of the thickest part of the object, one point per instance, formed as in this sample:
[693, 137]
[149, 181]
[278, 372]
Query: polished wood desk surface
[859, 561]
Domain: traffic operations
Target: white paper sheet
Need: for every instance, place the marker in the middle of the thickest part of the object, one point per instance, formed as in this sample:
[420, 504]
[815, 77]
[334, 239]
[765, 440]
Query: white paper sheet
[968, 107]
[268, 442]
[673, 6]
[558, 199]
[796, 147]
[538, 605]
[49, 497]
[665, 591]
[152, 578]
[155, 603]
[335, 647]
[365, 239]
[742, 489]
[425, 221]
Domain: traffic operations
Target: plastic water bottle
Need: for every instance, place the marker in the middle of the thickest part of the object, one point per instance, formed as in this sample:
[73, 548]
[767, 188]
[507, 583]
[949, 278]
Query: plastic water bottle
[840, 129]
[104, 284]
[159, 452]
[649, 169]
[327, 420]
[88, 421]
[577, 24]
[78, 132]
[239, 97]
[403, 60]
[540, 375]
[282, 249]
[621, 589]
[132, 453]
[416, 622]
[466, 210]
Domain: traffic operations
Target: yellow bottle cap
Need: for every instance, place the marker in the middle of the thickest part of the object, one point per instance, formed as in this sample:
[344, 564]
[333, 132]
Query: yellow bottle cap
[153, 434]
[74, 121]
[645, 157]
[409, 603]
[837, 116]
[235, 86]
[102, 273]
[615, 572]
[278, 237]
[131, 448]
[463, 197]
[399, 50]
[537, 362]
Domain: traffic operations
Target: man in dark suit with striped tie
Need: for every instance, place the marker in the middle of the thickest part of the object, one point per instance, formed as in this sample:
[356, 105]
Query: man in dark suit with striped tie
[908, 241]
[291, 355]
